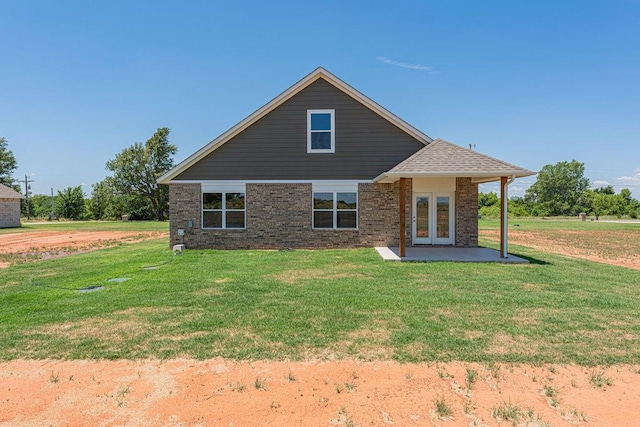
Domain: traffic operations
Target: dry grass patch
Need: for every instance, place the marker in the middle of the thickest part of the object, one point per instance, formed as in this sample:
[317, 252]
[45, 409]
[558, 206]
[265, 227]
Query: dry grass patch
[502, 344]
[345, 271]
[116, 330]
[536, 286]
[527, 318]
[186, 336]
[472, 335]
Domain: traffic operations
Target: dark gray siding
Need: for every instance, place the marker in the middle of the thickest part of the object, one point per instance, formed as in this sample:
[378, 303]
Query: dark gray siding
[275, 147]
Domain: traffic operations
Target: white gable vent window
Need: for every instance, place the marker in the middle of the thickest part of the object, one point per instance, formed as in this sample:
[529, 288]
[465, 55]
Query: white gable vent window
[321, 131]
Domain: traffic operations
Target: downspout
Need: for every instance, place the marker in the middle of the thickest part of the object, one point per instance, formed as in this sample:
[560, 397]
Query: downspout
[505, 219]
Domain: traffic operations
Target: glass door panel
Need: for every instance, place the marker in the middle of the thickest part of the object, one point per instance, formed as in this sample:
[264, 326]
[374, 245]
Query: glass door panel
[442, 217]
[422, 220]
[422, 216]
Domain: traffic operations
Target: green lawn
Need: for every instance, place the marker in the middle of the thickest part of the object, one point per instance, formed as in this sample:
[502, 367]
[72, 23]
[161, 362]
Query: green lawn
[539, 224]
[318, 304]
[89, 226]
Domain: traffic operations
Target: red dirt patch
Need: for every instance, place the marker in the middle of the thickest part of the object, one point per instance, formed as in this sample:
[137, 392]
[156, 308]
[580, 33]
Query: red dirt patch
[614, 247]
[219, 392]
[34, 245]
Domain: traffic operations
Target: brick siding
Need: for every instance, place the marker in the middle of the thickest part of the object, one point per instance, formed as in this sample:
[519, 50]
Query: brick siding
[9, 213]
[280, 216]
[466, 213]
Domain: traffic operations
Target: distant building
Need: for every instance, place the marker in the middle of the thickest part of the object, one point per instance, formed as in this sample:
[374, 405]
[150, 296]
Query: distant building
[9, 207]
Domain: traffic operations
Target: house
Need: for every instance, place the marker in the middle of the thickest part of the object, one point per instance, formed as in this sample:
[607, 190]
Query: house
[323, 166]
[9, 207]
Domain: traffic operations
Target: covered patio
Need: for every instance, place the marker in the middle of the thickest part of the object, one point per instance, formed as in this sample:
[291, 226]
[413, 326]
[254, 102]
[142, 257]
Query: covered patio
[451, 254]
[438, 192]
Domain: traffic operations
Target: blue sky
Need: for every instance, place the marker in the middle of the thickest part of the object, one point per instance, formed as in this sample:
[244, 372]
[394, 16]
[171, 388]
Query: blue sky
[530, 82]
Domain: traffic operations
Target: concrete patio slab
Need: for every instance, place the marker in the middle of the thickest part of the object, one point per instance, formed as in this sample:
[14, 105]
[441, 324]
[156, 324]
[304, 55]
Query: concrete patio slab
[434, 254]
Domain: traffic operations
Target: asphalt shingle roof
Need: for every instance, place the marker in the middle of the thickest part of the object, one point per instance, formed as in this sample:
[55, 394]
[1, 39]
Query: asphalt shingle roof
[442, 158]
[8, 193]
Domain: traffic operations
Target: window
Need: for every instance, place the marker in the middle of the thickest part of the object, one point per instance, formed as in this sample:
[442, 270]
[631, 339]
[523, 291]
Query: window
[335, 209]
[321, 131]
[223, 210]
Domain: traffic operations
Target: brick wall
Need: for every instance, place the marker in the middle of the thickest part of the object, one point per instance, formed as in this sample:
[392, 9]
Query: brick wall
[466, 213]
[279, 216]
[9, 213]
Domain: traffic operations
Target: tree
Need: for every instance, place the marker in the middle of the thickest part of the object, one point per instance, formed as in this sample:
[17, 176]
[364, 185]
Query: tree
[70, 203]
[605, 190]
[103, 196]
[604, 201]
[40, 205]
[7, 164]
[136, 170]
[560, 189]
[108, 203]
[487, 199]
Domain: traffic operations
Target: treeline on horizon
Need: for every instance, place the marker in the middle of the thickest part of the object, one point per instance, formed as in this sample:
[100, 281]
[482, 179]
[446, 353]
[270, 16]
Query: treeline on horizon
[560, 190]
[563, 190]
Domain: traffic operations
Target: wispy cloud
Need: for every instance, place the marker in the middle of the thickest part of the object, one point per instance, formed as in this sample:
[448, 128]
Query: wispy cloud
[632, 182]
[600, 183]
[426, 68]
[633, 179]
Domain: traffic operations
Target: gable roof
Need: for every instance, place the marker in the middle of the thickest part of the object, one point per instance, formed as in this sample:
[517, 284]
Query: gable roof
[318, 73]
[9, 193]
[443, 158]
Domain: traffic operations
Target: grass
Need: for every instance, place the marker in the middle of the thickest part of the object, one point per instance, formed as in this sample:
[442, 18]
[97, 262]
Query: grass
[539, 224]
[507, 412]
[472, 377]
[597, 379]
[443, 410]
[260, 384]
[136, 226]
[252, 305]
[238, 387]
[549, 391]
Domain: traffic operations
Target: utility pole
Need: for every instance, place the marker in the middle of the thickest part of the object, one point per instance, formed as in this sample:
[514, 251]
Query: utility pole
[53, 212]
[27, 187]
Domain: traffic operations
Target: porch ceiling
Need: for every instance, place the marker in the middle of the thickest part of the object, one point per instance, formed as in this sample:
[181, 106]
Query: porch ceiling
[442, 158]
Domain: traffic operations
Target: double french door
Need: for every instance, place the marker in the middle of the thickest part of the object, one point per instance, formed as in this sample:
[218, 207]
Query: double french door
[433, 219]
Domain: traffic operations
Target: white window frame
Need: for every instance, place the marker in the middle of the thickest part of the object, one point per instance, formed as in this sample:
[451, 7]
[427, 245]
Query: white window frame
[335, 189]
[223, 189]
[333, 131]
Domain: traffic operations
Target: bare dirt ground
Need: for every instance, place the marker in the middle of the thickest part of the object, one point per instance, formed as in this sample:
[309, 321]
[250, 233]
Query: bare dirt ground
[613, 247]
[218, 392]
[34, 245]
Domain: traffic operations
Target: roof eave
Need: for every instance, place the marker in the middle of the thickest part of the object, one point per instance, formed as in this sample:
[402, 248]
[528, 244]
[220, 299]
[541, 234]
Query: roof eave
[390, 177]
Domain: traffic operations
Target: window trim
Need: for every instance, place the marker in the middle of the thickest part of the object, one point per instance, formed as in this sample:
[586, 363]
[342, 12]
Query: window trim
[224, 209]
[333, 131]
[335, 209]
